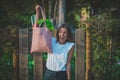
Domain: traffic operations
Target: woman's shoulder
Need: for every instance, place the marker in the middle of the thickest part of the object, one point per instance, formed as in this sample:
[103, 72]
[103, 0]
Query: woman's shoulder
[53, 39]
[71, 43]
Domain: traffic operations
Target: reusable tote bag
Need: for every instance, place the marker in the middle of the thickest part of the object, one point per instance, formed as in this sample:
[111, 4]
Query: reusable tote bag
[41, 38]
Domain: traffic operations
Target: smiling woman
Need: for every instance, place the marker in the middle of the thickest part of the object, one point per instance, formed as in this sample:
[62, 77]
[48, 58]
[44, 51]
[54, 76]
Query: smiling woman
[58, 62]
[64, 34]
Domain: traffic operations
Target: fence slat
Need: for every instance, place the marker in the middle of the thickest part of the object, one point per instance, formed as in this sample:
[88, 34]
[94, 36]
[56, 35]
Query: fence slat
[23, 50]
[16, 65]
[23, 40]
[80, 51]
[23, 67]
[38, 66]
[38, 60]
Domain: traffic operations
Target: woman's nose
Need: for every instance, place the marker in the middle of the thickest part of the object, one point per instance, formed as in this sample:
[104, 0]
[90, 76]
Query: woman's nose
[62, 34]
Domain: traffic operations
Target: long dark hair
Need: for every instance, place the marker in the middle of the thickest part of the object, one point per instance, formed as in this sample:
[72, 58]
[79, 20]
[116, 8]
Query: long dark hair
[69, 36]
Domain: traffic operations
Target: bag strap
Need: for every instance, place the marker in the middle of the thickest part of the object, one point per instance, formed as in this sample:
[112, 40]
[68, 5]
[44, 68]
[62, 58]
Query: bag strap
[43, 15]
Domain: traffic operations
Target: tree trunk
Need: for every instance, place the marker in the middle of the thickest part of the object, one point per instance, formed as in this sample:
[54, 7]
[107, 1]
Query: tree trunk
[55, 9]
[50, 8]
[62, 10]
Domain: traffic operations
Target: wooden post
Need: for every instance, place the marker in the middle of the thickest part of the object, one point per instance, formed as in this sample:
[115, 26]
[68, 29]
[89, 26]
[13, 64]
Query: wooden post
[80, 51]
[85, 16]
[88, 54]
[38, 66]
[38, 61]
[15, 65]
[23, 50]
[15, 55]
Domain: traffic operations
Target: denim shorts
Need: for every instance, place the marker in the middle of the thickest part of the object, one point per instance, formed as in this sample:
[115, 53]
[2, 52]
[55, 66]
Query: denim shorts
[55, 75]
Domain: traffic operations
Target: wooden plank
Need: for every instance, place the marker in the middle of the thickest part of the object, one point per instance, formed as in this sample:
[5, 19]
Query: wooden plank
[23, 50]
[80, 51]
[38, 60]
[15, 65]
[88, 73]
[23, 40]
[38, 66]
[23, 67]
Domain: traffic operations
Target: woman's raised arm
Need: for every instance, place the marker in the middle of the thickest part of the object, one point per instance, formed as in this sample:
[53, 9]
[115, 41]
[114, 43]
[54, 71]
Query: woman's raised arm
[37, 9]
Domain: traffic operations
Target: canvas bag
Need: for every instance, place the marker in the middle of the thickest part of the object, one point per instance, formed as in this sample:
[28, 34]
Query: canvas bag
[41, 38]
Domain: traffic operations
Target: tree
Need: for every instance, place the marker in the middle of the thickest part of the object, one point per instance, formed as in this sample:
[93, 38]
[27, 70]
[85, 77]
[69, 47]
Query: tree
[62, 10]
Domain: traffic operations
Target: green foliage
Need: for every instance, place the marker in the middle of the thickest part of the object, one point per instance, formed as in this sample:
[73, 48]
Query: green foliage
[21, 20]
[73, 67]
[7, 45]
[103, 30]
[6, 66]
[49, 24]
[30, 66]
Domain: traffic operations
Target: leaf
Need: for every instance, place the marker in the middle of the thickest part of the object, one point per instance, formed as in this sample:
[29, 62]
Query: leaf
[49, 24]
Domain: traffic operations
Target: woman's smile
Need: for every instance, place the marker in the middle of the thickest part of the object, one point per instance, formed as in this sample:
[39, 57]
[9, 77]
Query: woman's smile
[62, 35]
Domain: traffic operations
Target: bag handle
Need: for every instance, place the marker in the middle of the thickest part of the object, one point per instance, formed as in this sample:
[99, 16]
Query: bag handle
[43, 16]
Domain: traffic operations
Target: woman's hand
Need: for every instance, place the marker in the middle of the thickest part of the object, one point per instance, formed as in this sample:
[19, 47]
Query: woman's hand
[68, 71]
[37, 8]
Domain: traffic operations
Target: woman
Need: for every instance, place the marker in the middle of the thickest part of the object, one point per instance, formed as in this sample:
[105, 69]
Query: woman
[58, 62]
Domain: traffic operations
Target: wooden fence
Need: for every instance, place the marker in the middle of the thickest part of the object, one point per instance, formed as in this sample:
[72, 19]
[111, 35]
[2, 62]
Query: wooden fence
[24, 48]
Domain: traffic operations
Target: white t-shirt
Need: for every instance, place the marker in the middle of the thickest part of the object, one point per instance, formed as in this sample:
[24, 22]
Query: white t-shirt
[56, 61]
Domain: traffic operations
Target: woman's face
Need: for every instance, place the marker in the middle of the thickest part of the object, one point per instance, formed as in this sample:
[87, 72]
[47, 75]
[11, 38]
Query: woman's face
[62, 35]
